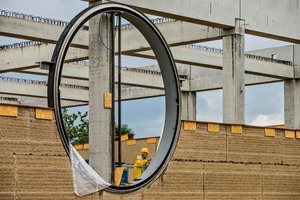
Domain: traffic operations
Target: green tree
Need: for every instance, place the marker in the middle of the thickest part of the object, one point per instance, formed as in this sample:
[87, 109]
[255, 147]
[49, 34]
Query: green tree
[124, 129]
[78, 131]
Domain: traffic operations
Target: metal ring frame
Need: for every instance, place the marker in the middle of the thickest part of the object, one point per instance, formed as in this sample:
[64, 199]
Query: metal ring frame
[165, 60]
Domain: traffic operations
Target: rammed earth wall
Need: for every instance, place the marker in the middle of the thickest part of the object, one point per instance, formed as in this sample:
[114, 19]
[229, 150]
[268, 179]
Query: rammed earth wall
[211, 161]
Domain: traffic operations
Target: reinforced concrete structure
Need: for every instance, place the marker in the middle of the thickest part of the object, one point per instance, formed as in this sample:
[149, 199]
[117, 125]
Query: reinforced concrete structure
[185, 24]
[202, 68]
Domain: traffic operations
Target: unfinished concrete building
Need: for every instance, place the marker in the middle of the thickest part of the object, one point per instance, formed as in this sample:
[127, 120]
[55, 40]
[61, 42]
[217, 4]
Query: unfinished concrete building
[228, 160]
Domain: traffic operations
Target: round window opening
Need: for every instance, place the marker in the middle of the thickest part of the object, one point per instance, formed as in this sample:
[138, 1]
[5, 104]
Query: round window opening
[171, 127]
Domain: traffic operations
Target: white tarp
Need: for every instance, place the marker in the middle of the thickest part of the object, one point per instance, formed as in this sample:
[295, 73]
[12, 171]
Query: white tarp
[85, 179]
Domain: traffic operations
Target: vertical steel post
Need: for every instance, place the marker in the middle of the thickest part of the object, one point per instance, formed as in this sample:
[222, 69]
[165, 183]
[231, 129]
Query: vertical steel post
[112, 23]
[119, 91]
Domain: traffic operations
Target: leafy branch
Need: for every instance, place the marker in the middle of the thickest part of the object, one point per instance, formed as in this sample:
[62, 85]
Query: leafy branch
[78, 132]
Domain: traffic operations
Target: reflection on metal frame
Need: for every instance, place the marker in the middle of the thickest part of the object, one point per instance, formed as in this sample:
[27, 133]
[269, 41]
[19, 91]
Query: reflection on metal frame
[165, 60]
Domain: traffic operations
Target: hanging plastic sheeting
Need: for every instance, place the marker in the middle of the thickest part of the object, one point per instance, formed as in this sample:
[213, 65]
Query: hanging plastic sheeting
[85, 179]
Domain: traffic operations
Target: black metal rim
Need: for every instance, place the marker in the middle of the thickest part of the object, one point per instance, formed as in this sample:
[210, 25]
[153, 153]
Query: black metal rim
[160, 48]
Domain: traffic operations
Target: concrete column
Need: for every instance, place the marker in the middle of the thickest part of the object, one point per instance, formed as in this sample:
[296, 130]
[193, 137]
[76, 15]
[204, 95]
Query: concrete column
[188, 110]
[100, 77]
[292, 94]
[292, 103]
[234, 74]
[188, 98]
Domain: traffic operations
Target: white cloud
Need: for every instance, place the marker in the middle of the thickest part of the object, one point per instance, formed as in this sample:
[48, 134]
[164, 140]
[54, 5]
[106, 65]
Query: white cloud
[265, 120]
[209, 106]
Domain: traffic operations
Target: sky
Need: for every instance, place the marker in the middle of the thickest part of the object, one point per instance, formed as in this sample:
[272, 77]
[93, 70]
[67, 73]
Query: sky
[264, 103]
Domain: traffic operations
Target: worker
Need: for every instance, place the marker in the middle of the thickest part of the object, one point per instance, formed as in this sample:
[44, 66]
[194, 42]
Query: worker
[141, 163]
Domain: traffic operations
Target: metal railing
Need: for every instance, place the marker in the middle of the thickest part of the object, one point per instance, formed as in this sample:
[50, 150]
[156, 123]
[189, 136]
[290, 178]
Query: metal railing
[147, 71]
[29, 81]
[33, 18]
[65, 23]
[250, 56]
[20, 45]
[267, 59]
[203, 48]
[11, 99]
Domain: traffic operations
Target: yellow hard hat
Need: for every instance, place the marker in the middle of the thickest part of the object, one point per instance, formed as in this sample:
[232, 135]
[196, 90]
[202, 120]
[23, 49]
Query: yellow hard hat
[144, 150]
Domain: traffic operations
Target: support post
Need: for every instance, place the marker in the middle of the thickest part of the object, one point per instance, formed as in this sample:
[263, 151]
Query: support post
[188, 100]
[234, 74]
[292, 94]
[101, 98]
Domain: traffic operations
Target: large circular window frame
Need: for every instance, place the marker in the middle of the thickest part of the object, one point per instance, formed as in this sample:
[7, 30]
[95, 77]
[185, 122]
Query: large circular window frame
[166, 62]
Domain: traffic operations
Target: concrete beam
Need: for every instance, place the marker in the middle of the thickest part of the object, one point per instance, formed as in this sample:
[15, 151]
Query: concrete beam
[268, 69]
[175, 32]
[27, 57]
[200, 80]
[213, 60]
[78, 75]
[71, 94]
[42, 102]
[38, 31]
[277, 19]
[40, 90]
[216, 82]
[281, 53]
